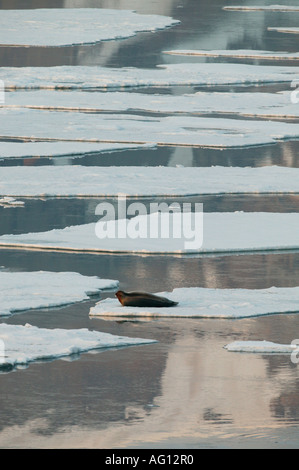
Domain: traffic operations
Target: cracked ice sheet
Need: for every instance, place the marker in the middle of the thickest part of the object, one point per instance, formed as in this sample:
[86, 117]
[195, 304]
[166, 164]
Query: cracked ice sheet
[281, 8]
[210, 303]
[246, 104]
[41, 289]
[238, 53]
[171, 130]
[71, 26]
[262, 347]
[21, 345]
[78, 181]
[62, 149]
[82, 77]
[223, 233]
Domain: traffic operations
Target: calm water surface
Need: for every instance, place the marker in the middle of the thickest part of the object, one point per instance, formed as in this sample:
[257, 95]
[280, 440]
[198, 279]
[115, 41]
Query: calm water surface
[185, 391]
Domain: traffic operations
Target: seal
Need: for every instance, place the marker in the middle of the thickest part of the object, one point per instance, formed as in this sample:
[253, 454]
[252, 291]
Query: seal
[142, 299]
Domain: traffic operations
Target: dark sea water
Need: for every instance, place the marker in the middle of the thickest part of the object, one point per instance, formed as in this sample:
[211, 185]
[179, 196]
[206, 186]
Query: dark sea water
[185, 391]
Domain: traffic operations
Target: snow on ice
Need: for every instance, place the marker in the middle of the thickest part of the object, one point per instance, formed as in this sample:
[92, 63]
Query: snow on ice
[245, 104]
[84, 77]
[76, 181]
[22, 344]
[262, 347]
[62, 149]
[41, 289]
[238, 53]
[210, 303]
[222, 233]
[120, 128]
[280, 8]
[40, 27]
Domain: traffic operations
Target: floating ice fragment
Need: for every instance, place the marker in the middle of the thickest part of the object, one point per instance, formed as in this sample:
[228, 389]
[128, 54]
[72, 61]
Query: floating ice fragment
[39, 27]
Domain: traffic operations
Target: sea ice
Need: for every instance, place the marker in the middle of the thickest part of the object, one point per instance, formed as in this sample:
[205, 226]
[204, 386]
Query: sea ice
[223, 233]
[70, 26]
[41, 289]
[245, 104]
[76, 181]
[280, 8]
[62, 149]
[211, 303]
[238, 53]
[10, 202]
[262, 347]
[284, 30]
[22, 344]
[84, 77]
[135, 129]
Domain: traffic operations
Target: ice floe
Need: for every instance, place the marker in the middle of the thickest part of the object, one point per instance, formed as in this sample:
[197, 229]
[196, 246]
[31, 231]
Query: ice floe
[211, 303]
[10, 202]
[245, 104]
[23, 344]
[90, 181]
[284, 30]
[281, 8]
[40, 27]
[62, 149]
[221, 232]
[41, 289]
[238, 53]
[134, 129]
[262, 347]
[82, 77]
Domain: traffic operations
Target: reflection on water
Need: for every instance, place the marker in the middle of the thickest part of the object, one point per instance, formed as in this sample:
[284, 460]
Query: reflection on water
[185, 390]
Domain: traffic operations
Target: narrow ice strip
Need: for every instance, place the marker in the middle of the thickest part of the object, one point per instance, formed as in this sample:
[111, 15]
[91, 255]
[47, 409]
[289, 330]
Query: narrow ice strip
[62, 149]
[284, 30]
[245, 104]
[21, 345]
[210, 303]
[170, 233]
[281, 8]
[71, 26]
[262, 347]
[82, 77]
[135, 129]
[41, 289]
[238, 53]
[79, 181]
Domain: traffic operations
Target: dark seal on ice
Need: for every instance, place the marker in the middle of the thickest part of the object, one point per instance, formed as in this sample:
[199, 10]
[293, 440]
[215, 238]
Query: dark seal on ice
[142, 299]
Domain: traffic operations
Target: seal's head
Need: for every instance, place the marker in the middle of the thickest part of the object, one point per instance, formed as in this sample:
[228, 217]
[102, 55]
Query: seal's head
[120, 295]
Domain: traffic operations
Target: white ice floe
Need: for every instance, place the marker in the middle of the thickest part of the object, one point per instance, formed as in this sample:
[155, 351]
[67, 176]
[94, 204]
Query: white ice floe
[284, 30]
[21, 345]
[238, 53]
[70, 26]
[76, 181]
[210, 303]
[82, 77]
[10, 202]
[135, 129]
[41, 289]
[245, 104]
[222, 233]
[262, 347]
[62, 149]
[281, 8]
